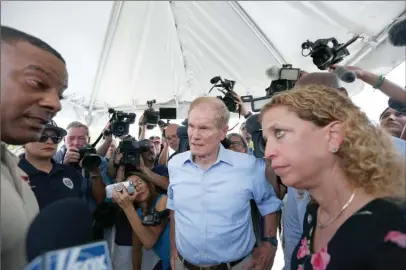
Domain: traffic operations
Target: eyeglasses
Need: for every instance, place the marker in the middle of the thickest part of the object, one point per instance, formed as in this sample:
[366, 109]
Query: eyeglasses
[54, 139]
[237, 144]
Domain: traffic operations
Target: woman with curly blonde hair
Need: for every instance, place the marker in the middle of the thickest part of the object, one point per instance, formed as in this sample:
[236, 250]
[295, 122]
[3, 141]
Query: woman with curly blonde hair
[319, 141]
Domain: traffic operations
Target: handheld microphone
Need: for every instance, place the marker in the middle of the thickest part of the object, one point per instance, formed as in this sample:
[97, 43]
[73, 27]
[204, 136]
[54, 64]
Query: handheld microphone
[58, 236]
[345, 75]
[397, 34]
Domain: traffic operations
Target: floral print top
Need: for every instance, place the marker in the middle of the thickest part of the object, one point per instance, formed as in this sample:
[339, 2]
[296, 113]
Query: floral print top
[374, 238]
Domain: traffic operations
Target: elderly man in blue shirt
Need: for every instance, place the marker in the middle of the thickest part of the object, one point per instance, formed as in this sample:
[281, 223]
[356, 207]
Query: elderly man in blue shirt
[209, 194]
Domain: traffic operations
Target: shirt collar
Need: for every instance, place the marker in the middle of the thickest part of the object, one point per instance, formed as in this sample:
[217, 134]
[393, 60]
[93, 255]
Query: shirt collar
[29, 169]
[223, 156]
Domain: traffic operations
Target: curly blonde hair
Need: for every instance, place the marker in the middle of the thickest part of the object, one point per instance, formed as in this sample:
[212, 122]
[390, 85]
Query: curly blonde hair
[368, 156]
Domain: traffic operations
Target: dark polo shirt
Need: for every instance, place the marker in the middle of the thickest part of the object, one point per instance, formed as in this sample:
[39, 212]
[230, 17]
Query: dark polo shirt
[61, 182]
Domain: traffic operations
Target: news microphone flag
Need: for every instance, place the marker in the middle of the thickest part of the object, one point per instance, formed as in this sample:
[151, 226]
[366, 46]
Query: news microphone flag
[91, 256]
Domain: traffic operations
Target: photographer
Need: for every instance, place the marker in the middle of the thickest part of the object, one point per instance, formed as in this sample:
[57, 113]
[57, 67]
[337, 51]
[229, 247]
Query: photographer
[76, 138]
[157, 174]
[135, 207]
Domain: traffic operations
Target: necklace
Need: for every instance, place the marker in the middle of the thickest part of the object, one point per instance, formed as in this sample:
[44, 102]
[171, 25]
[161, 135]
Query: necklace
[324, 225]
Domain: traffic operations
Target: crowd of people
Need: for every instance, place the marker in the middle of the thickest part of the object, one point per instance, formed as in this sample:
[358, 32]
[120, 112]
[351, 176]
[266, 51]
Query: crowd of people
[331, 181]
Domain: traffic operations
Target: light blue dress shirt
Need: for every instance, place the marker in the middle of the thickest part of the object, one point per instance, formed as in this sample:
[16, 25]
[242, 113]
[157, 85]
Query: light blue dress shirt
[212, 207]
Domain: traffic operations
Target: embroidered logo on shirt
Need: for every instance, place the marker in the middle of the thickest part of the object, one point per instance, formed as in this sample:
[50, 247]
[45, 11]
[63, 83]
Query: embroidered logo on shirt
[67, 182]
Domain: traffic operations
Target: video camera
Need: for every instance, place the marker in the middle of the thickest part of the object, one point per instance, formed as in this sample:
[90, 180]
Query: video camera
[154, 217]
[325, 56]
[283, 79]
[153, 118]
[120, 123]
[226, 87]
[132, 149]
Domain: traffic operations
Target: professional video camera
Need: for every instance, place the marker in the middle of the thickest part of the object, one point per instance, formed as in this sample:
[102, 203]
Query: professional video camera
[283, 79]
[154, 217]
[226, 87]
[153, 118]
[90, 160]
[119, 123]
[132, 149]
[325, 56]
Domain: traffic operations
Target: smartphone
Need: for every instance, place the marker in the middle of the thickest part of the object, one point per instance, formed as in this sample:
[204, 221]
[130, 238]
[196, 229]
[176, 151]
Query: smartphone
[127, 184]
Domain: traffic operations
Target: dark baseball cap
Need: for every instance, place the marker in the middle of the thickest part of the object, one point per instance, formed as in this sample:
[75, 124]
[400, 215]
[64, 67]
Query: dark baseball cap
[53, 126]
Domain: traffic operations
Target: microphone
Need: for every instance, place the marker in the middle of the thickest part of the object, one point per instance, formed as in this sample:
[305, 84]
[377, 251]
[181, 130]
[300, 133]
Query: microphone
[273, 72]
[215, 80]
[397, 34]
[59, 238]
[345, 74]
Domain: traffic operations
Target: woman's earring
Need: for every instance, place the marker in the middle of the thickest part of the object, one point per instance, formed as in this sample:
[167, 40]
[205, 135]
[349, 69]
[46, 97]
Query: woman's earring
[333, 150]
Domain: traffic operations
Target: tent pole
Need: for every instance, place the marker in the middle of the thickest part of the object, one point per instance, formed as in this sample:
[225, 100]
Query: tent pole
[258, 32]
[108, 40]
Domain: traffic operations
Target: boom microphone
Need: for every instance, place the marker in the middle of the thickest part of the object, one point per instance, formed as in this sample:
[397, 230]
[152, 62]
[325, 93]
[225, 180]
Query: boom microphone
[273, 72]
[345, 74]
[58, 236]
[397, 34]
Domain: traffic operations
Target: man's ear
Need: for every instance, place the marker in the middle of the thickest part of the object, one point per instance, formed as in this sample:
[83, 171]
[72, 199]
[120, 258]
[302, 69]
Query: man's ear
[224, 132]
[88, 139]
[335, 136]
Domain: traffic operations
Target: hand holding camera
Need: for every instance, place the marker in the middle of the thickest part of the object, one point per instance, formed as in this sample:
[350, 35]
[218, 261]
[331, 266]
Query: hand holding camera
[72, 156]
[123, 194]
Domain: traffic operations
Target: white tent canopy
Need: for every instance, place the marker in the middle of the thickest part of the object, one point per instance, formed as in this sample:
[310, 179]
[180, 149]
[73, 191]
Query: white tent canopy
[121, 54]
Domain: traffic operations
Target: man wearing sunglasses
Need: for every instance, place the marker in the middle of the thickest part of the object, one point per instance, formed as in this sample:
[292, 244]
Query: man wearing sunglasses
[49, 180]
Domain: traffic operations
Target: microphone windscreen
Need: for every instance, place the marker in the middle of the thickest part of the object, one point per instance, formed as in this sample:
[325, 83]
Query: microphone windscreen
[345, 75]
[62, 224]
[397, 34]
[273, 72]
[215, 80]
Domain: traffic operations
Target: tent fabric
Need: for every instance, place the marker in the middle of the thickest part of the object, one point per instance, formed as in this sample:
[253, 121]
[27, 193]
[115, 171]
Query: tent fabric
[121, 54]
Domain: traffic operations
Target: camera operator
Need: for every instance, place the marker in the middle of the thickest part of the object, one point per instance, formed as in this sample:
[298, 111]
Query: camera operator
[157, 174]
[104, 148]
[136, 206]
[33, 78]
[93, 186]
[170, 140]
[49, 180]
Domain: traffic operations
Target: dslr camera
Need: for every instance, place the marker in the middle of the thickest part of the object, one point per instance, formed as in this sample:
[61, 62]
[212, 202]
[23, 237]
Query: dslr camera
[324, 56]
[132, 149]
[226, 87]
[120, 123]
[154, 217]
[90, 159]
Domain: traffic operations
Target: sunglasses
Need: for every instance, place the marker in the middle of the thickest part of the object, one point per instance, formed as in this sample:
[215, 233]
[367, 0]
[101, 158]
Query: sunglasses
[54, 139]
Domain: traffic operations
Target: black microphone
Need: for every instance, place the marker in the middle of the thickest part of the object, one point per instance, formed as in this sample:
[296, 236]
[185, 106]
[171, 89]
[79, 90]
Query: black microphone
[397, 34]
[62, 224]
[345, 74]
[215, 80]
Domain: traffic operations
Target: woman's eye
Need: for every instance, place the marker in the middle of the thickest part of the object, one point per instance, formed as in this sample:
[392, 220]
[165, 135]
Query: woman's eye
[279, 133]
